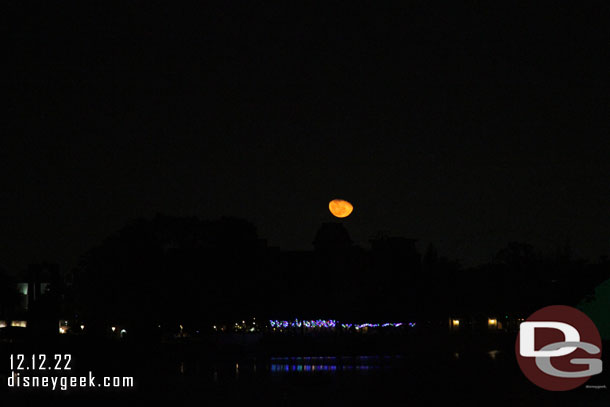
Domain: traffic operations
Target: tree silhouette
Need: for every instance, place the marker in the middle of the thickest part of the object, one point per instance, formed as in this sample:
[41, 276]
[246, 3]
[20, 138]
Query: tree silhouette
[170, 271]
[9, 297]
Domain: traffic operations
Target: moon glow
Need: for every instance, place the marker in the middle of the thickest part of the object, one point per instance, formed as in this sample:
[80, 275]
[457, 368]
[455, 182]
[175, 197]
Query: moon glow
[340, 208]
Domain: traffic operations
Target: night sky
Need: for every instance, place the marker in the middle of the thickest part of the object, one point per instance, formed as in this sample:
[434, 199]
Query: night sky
[465, 126]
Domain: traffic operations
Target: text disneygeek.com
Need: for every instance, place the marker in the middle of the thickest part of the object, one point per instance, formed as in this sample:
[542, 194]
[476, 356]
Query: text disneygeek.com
[22, 367]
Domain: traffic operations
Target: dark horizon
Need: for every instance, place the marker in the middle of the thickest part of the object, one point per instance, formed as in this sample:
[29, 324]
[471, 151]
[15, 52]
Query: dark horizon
[464, 127]
[551, 253]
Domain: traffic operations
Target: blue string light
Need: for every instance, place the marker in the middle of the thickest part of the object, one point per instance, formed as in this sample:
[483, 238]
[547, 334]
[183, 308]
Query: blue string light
[318, 323]
[331, 323]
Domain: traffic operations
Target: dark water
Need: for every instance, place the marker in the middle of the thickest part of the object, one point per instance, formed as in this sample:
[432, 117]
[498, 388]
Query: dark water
[464, 376]
[489, 378]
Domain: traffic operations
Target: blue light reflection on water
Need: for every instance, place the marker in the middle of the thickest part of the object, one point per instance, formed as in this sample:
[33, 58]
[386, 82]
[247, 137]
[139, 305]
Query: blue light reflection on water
[277, 368]
[307, 364]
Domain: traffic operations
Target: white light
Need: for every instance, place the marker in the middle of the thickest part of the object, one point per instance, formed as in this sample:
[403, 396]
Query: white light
[62, 330]
[113, 328]
[82, 327]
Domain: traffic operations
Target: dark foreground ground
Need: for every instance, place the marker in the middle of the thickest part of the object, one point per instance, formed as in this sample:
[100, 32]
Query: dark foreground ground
[415, 370]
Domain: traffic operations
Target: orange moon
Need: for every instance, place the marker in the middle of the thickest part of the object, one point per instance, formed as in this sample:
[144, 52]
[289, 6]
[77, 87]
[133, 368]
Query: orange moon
[340, 208]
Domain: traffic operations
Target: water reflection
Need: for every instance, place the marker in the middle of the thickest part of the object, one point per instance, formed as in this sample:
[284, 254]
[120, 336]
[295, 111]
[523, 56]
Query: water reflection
[275, 368]
[248, 368]
[331, 364]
